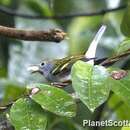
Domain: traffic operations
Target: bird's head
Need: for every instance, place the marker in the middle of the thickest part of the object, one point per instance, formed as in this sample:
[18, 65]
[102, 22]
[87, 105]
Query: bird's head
[43, 68]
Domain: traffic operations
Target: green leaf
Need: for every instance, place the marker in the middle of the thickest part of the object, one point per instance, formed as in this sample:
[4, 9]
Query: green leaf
[121, 109]
[55, 100]
[10, 91]
[90, 83]
[27, 115]
[124, 46]
[121, 87]
[125, 25]
[125, 128]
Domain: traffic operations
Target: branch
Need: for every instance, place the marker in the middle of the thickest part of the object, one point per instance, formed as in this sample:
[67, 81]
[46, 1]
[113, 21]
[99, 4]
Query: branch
[11, 12]
[112, 60]
[54, 35]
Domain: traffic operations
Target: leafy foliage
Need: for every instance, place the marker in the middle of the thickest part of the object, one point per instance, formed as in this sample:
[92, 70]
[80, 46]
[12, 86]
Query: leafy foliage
[125, 26]
[10, 91]
[121, 87]
[125, 128]
[88, 84]
[124, 46]
[116, 102]
[92, 84]
[55, 100]
[26, 114]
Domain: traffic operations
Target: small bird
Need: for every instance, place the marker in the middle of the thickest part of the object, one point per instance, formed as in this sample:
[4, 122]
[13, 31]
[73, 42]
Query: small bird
[58, 70]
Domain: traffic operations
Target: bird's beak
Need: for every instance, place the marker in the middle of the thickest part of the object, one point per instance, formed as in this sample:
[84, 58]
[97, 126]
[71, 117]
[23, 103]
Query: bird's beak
[33, 68]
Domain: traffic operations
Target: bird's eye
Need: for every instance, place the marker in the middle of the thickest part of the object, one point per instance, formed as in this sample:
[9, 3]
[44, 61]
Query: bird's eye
[42, 64]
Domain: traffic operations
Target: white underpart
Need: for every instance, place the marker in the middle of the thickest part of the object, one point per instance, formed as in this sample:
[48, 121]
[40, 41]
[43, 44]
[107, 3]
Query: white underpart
[91, 52]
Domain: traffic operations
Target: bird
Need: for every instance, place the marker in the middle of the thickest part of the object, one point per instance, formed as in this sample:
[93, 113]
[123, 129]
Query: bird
[58, 70]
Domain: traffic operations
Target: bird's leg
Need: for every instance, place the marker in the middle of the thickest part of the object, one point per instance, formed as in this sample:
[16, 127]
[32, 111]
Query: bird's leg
[61, 84]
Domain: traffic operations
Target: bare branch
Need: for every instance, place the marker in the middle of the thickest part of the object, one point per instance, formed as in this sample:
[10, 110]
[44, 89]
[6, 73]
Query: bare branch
[11, 12]
[112, 60]
[55, 35]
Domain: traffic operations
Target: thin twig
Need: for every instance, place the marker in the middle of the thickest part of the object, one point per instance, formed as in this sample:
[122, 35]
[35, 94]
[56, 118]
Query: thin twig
[114, 59]
[11, 12]
[54, 35]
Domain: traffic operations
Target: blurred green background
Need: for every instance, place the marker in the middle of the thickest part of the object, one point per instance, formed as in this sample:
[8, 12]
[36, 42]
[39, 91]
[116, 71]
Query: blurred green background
[17, 55]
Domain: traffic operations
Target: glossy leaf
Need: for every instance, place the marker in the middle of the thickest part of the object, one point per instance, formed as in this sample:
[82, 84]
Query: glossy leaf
[27, 115]
[55, 100]
[89, 83]
[121, 87]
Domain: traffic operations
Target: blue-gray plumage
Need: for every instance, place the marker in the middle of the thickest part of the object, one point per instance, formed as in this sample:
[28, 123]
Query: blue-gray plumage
[59, 69]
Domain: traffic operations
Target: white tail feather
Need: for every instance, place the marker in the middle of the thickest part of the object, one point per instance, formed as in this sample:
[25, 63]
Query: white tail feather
[91, 52]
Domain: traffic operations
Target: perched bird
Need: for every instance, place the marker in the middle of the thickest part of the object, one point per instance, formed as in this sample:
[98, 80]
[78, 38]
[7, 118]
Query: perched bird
[58, 70]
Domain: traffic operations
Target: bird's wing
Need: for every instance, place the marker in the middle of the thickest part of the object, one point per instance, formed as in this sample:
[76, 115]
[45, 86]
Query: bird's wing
[65, 64]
